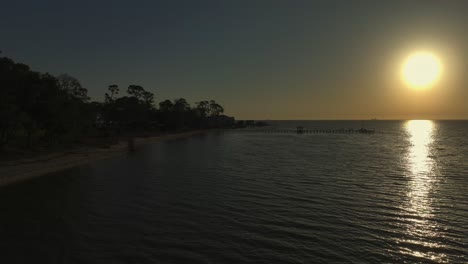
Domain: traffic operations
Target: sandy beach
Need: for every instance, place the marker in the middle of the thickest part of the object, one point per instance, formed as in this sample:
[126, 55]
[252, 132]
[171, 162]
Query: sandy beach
[24, 169]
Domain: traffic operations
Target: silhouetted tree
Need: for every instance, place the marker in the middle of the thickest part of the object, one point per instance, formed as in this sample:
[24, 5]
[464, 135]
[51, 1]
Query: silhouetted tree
[73, 87]
[113, 91]
[148, 98]
[181, 105]
[136, 91]
[133, 112]
[166, 106]
[203, 108]
[38, 108]
[215, 108]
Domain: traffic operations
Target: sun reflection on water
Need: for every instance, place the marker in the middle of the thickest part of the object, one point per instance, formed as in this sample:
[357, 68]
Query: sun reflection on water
[423, 174]
[421, 165]
[420, 137]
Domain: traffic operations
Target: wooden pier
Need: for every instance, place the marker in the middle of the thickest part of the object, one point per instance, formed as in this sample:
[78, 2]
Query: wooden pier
[302, 130]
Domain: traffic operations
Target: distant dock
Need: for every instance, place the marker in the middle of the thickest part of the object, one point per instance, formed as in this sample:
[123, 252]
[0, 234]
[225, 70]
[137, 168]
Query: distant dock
[302, 130]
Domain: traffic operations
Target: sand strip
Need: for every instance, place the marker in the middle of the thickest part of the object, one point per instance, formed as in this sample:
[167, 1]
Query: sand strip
[23, 169]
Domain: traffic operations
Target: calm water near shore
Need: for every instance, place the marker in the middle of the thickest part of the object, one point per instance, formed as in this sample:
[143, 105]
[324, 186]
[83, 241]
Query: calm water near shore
[397, 196]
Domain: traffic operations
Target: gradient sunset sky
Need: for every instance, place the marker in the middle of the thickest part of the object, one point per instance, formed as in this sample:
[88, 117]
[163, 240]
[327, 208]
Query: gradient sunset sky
[260, 59]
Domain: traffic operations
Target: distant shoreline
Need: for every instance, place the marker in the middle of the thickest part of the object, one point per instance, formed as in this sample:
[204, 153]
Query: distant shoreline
[28, 168]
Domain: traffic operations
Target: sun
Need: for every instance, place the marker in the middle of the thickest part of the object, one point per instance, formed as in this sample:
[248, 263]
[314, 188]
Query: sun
[421, 70]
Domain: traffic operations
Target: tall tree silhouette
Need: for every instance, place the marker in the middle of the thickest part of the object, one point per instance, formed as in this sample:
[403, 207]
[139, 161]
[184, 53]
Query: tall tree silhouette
[215, 108]
[136, 91]
[113, 91]
[73, 87]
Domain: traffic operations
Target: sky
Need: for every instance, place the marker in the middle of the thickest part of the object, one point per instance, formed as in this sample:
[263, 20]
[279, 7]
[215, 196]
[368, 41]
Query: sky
[262, 59]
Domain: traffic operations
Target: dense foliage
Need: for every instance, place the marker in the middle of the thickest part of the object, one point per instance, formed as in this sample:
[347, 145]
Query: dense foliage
[37, 108]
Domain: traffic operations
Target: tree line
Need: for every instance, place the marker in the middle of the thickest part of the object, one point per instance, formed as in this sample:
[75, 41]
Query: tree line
[41, 109]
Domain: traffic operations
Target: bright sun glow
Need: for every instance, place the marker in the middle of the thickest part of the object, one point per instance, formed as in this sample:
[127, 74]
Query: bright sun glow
[421, 70]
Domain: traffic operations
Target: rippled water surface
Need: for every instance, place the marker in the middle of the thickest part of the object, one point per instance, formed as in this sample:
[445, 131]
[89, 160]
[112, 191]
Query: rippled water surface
[397, 196]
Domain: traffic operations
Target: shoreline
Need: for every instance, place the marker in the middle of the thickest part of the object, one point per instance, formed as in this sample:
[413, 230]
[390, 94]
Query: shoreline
[24, 169]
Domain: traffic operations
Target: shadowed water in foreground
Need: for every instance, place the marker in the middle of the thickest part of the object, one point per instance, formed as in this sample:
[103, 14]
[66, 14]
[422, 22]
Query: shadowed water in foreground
[395, 196]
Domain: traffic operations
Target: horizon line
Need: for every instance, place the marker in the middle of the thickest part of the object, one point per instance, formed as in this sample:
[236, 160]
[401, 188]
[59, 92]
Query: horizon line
[446, 119]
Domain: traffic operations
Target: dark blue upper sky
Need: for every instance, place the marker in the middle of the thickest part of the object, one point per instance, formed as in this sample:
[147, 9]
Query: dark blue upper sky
[260, 59]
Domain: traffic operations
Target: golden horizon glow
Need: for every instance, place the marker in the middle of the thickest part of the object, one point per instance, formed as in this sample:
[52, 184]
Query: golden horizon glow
[421, 70]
